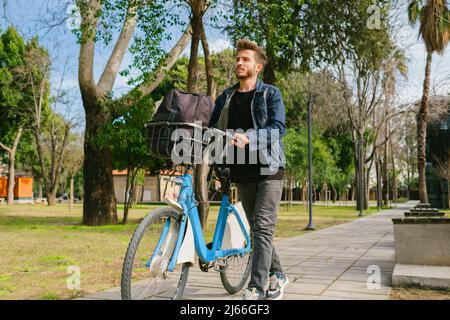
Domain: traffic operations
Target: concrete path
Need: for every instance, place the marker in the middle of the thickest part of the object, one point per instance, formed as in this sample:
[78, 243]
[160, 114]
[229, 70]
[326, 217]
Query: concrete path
[333, 263]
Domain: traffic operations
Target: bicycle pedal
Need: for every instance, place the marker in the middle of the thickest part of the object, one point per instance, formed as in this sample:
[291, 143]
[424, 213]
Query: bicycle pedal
[204, 266]
[221, 265]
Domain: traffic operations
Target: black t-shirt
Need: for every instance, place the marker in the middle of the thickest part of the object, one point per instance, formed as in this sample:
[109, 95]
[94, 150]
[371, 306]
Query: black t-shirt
[240, 117]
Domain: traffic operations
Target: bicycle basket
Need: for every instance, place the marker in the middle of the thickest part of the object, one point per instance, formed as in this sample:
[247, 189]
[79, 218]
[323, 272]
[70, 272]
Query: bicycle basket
[164, 137]
[189, 139]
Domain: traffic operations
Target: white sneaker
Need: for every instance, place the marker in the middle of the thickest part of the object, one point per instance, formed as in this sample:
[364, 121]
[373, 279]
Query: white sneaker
[253, 294]
[277, 283]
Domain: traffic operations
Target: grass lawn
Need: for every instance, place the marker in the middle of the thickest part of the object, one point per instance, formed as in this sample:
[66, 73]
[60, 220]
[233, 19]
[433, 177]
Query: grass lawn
[40, 242]
[418, 294]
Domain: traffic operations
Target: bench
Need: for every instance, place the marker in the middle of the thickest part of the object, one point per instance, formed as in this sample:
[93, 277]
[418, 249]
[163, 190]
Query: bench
[40, 201]
[422, 241]
[424, 214]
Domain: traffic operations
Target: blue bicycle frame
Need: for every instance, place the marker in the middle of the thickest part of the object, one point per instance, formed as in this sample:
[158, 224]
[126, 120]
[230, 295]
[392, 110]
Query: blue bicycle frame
[189, 205]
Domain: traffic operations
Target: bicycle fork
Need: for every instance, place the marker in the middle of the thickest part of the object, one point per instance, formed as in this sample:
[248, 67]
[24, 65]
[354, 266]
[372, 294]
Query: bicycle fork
[164, 257]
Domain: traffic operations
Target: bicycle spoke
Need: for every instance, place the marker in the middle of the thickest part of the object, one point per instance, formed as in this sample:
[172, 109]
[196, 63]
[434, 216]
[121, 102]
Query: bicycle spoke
[149, 277]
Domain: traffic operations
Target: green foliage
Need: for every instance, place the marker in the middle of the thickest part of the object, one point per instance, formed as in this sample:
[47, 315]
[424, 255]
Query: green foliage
[21, 66]
[12, 49]
[434, 22]
[324, 160]
[307, 33]
[274, 25]
[126, 137]
[223, 71]
[154, 19]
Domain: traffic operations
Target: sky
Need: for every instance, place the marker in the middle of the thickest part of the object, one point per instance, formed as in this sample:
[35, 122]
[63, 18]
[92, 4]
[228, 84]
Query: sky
[29, 17]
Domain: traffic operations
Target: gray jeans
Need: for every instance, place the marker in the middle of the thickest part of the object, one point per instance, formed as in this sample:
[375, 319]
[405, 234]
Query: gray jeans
[261, 202]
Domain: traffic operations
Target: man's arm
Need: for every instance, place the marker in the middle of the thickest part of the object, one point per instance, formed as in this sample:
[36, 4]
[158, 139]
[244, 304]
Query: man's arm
[276, 124]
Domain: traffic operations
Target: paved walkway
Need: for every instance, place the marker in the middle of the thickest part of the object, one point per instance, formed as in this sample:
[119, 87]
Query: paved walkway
[331, 263]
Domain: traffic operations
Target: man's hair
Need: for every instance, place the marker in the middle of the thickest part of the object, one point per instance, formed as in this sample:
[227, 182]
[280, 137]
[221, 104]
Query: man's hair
[245, 44]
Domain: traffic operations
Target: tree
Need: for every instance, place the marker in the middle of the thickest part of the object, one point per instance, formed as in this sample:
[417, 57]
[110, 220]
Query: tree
[13, 115]
[365, 72]
[100, 19]
[73, 162]
[50, 129]
[328, 121]
[408, 144]
[126, 137]
[198, 9]
[435, 31]
[298, 35]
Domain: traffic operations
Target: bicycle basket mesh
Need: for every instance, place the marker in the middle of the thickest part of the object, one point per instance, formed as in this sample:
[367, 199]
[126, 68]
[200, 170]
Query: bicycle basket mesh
[163, 137]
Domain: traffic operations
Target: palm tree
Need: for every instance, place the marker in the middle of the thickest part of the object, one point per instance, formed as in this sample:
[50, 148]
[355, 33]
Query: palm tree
[435, 31]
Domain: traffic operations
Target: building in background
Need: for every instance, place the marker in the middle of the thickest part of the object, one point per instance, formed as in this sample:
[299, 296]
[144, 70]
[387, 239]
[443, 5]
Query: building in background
[23, 188]
[153, 189]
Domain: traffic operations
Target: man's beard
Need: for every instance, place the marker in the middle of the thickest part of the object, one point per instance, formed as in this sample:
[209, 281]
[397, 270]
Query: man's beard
[247, 75]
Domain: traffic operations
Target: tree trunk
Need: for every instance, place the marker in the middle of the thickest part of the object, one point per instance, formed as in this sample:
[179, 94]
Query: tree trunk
[359, 168]
[11, 176]
[361, 191]
[378, 174]
[208, 64]
[131, 191]
[99, 205]
[201, 190]
[291, 192]
[126, 197]
[269, 73]
[366, 186]
[11, 165]
[448, 194]
[394, 178]
[196, 22]
[39, 185]
[422, 132]
[198, 34]
[71, 193]
[304, 197]
[51, 197]
[385, 179]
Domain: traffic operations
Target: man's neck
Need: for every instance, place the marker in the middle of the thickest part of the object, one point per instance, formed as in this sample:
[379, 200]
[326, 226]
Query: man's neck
[248, 84]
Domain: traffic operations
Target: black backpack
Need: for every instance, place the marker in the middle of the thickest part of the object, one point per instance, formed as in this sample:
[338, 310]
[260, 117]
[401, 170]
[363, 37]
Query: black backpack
[177, 110]
[179, 106]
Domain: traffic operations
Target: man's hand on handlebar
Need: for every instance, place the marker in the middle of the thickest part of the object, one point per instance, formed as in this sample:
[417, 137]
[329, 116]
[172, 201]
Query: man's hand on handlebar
[239, 140]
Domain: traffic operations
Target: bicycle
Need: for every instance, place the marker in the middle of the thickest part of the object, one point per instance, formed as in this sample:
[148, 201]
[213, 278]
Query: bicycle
[175, 233]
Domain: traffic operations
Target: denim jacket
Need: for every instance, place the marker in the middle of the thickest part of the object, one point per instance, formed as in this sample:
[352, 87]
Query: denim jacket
[268, 114]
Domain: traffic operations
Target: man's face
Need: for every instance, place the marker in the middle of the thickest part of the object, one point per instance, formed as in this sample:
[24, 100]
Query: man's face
[246, 65]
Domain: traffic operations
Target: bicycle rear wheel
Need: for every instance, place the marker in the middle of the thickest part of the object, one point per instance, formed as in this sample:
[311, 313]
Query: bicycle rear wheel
[144, 274]
[236, 275]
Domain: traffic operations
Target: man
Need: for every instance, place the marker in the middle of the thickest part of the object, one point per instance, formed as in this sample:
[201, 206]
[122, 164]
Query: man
[257, 111]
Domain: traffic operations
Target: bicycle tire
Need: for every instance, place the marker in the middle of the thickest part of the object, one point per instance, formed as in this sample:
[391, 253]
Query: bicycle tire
[133, 247]
[225, 276]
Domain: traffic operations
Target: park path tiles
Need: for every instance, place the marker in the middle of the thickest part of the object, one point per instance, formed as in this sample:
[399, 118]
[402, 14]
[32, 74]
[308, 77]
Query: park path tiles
[338, 262]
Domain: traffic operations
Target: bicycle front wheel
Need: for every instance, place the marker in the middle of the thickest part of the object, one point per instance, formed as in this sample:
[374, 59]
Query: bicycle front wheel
[144, 274]
[237, 273]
